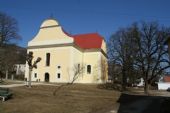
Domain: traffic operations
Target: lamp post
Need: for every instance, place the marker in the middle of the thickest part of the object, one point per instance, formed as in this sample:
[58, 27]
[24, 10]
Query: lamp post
[31, 65]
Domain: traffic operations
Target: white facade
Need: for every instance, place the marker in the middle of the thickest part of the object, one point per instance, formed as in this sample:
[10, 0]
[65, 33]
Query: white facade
[163, 85]
[64, 54]
[20, 69]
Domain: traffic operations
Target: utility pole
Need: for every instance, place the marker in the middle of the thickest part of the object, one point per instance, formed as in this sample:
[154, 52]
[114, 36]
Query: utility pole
[31, 65]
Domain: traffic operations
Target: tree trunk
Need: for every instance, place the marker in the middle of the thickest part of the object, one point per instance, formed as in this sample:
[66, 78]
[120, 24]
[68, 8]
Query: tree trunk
[29, 79]
[146, 87]
[12, 77]
[6, 74]
[123, 80]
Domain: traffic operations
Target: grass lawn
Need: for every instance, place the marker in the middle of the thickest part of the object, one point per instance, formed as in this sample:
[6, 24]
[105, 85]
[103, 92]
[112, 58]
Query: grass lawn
[8, 82]
[77, 98]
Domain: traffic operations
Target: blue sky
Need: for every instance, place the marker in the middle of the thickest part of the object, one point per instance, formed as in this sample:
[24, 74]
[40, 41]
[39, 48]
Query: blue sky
[84, 16]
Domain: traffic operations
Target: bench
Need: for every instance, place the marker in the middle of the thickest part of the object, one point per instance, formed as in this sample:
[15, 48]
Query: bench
[5, 93]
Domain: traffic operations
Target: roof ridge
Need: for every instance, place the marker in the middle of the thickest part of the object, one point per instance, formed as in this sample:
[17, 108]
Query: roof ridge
[87, 33]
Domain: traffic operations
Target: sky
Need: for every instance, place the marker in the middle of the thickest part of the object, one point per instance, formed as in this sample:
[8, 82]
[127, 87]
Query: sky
[84, 16]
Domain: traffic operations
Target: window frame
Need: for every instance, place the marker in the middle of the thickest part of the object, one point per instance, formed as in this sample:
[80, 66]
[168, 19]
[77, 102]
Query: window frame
[89, 69]
[48, 59]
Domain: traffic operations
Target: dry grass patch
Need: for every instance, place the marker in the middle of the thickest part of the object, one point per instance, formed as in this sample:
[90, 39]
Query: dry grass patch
[75, 98]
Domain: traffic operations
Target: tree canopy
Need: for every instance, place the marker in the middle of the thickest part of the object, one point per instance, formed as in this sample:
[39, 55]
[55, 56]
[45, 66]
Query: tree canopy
[8, 51]
[8, 29]
[141, 51]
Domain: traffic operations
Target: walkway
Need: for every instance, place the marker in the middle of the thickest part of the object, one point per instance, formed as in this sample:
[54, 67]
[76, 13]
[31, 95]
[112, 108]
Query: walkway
[23, 84]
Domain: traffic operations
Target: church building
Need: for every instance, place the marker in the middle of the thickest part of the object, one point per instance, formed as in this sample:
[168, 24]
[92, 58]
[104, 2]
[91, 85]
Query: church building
[67, 58]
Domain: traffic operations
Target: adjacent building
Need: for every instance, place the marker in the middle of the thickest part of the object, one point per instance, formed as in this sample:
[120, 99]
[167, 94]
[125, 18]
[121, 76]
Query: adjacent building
[64, 56]
[19, 69]
[164, 82]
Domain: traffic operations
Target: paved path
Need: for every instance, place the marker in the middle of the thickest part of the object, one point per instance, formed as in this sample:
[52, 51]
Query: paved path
[23, 84]
[143, 104]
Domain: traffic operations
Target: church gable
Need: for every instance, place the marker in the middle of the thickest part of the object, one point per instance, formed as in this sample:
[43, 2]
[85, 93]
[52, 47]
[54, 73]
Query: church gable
[50, 33]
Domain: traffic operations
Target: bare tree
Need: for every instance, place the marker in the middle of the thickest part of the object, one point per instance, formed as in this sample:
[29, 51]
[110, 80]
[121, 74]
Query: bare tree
[8, 29]
[9, 57]
[114, 71]
[104, 69]
[78, 70]
[152, 56]
[140, 49]
[8, 61]
[8, 32]
[1, 75]
[121, 50]
[31, 65]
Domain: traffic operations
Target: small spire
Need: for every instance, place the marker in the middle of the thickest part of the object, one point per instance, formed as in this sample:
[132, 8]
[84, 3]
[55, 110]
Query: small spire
[51, 16]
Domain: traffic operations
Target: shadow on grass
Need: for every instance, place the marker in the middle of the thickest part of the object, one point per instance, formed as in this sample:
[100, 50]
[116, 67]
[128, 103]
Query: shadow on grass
[143, 104]
[110, 86]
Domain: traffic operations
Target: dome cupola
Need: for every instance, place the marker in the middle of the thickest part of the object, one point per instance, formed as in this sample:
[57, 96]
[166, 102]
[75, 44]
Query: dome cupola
[49, 23]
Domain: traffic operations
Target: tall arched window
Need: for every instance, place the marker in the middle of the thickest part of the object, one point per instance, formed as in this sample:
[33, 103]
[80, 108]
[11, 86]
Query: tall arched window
[48, 59]
[88, 69]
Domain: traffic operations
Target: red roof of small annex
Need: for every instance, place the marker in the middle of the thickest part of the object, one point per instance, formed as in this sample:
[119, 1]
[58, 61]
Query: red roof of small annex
[166, 78]
[88, 41]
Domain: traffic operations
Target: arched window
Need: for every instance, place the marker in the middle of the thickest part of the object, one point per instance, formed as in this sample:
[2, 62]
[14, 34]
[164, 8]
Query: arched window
[35, 75]
[88, 69]
[58, 75]
[47, 77]
[48, 59]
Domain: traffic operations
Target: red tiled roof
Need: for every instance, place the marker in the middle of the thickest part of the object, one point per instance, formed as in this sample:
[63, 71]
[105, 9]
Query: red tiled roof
[166, 78]
[88, 41]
